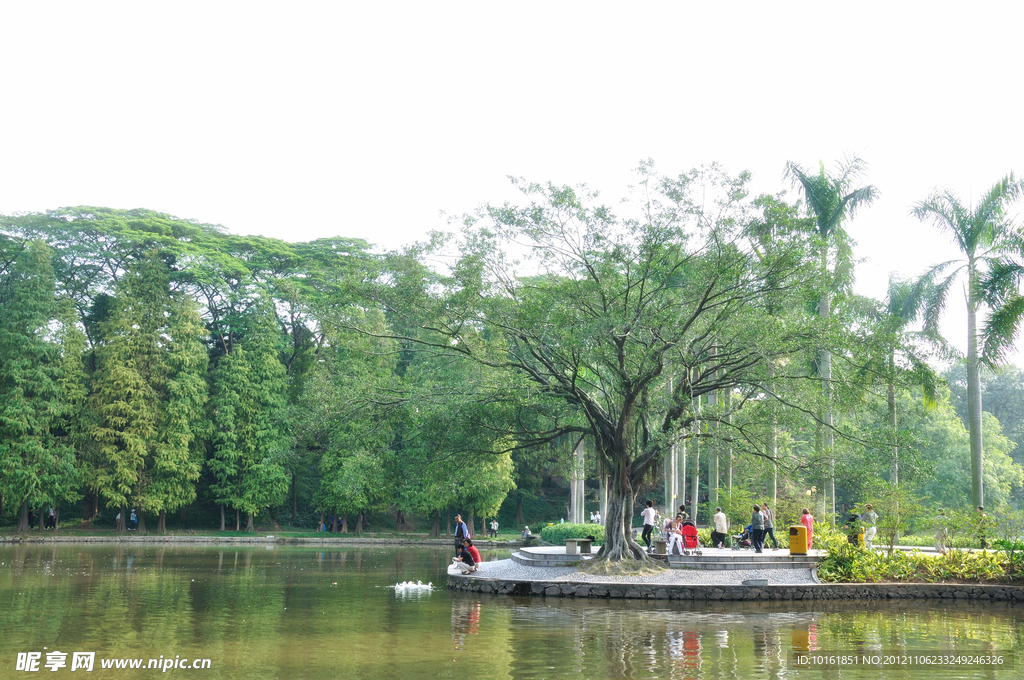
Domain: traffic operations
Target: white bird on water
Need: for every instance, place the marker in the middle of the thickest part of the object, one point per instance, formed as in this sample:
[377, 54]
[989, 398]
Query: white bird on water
[413, 586]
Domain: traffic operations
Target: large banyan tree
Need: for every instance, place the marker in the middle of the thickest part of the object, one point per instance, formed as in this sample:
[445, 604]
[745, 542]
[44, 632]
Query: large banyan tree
[613, 327]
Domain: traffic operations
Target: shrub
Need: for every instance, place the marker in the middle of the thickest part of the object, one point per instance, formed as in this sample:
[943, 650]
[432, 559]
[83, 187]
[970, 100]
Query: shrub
[557, 533]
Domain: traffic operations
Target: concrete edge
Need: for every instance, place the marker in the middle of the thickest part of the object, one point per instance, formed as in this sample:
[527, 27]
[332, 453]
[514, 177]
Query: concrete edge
[817, 591]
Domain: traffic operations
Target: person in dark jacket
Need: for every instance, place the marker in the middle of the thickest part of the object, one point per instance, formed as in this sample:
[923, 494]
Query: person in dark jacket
[461, 533]
[757, 529]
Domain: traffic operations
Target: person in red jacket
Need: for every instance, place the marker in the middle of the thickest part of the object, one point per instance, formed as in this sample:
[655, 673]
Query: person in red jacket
[472, 550]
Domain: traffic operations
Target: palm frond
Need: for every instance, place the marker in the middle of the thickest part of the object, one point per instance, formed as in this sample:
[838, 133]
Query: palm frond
[991, 207]
[935, 304]
[1001, 330]
[948, 214]
[929, 380]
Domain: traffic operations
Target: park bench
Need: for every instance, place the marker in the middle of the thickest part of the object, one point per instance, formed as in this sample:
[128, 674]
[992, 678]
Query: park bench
[579, 546]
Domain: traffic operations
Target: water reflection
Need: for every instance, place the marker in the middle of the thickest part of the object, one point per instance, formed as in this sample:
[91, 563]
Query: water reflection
[313, 613]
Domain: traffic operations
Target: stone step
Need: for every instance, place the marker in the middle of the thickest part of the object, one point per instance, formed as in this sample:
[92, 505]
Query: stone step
[545, 560]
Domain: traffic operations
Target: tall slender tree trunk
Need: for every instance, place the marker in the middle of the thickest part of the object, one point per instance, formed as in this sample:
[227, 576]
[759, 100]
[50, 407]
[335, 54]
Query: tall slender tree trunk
[334, 522]
[974, 391]
[359, 524]
[344, 522]
[712, 451]
[695, 481]
[825, 369]
[161, 522]
[142, 523]
[681, 480]
[23, 518]
[519, 512]
[250, 526]
[604, 496]
[774, 443]
[469, 522]
[894, 462]
[295, 506]
[56, 518]
[435, 527]
[238, 520]
[222, 525]
[122, 521]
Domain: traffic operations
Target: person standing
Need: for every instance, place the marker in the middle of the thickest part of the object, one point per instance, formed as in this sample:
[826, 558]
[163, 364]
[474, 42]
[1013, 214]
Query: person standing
[597, 517]
[494, 528]
[649, 514]
[868, 519]
[769, 525]
[757, 529]
[808, 521]
[461, 533]
[721, 529]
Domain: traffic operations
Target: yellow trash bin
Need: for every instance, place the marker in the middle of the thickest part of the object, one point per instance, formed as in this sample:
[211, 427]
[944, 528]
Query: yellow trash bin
[798, 540]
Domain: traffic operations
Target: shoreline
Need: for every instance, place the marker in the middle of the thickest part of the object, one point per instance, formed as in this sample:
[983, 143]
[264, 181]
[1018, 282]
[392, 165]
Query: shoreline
[682, 584]
[260, 539]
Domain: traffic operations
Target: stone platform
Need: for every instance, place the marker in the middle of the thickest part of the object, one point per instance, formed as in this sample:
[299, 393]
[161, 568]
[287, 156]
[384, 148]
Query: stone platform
[719, 559]
[713, 559]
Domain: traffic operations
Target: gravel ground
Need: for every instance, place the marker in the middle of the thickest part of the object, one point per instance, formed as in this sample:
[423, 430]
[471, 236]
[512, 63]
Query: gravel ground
[507, 569]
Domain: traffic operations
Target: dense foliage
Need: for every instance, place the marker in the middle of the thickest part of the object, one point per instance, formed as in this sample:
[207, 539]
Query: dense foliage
[162, 365]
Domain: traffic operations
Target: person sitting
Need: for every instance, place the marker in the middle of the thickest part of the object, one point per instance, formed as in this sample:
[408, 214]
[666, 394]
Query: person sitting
[465, 561]
[526, 532]
[675, 536]
[468, 543]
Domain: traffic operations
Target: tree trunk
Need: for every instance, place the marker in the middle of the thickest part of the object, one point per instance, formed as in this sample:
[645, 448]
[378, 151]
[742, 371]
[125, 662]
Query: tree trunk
[295, 507]
[334, 522]
[435, 528]
[974, 392]
[122, 521]
[23, 518]
[344, 522]
[894, 463]
[775, 461]
[95, 504]
[222, 525]
[42, 520]
[161, 522]
[469, 523]
[249, 526]
[825, 370]
[238, 520]
[618, 521]
[400, 522]
[359, 524]
[56, 519]
[519, 511]
[142, 522]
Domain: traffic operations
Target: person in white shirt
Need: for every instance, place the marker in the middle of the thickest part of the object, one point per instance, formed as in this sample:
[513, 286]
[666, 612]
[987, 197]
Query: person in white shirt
[649, 514]
[721, 529]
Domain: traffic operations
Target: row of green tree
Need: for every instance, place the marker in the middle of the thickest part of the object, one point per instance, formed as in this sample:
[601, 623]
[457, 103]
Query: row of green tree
[146, 357]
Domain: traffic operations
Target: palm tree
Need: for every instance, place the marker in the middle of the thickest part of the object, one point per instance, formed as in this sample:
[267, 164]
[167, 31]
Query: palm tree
[987, 237]
[902, 355]
[831, 199]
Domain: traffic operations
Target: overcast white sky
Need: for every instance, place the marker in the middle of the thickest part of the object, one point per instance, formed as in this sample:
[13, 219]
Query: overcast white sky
[303, 120]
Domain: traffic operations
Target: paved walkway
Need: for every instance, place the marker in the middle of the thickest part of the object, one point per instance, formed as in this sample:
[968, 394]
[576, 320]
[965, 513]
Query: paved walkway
[509, 570]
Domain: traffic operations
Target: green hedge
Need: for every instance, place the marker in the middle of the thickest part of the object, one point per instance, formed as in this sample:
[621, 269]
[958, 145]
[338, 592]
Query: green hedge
[557, 533]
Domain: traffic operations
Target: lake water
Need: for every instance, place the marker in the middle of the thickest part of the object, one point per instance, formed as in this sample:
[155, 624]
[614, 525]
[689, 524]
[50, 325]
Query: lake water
[297, 612]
